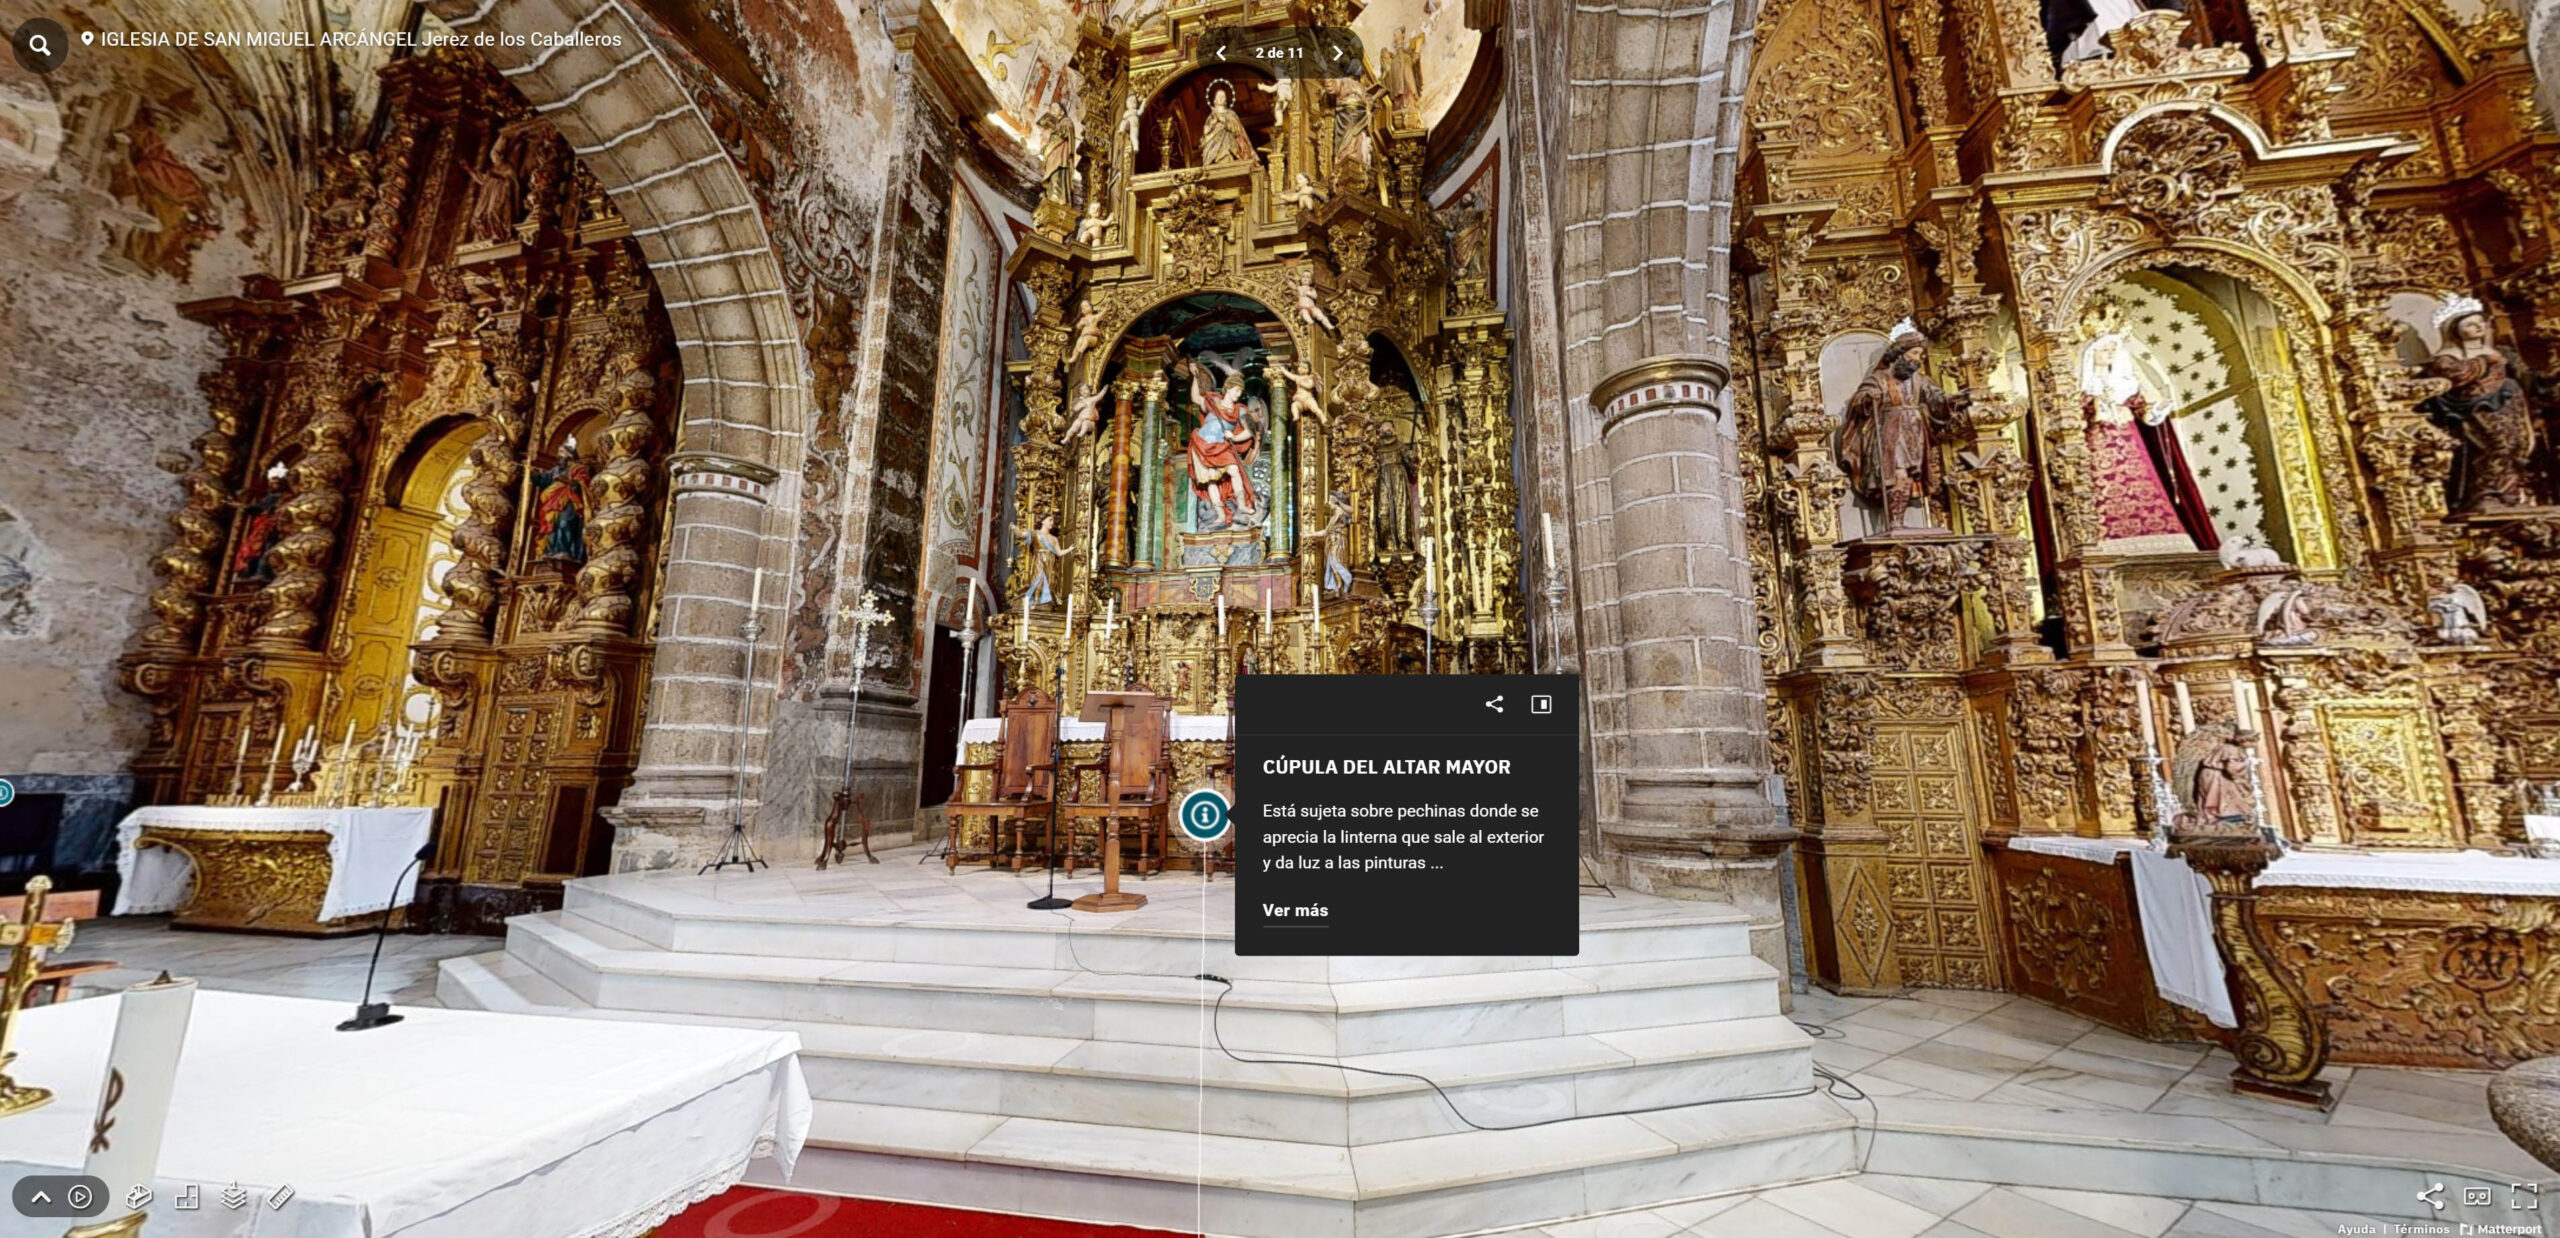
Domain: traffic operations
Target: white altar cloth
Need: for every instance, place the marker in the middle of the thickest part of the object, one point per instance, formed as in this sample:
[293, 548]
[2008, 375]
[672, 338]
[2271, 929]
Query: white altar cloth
[451, 1124]
[367, 849]
[1185, 727]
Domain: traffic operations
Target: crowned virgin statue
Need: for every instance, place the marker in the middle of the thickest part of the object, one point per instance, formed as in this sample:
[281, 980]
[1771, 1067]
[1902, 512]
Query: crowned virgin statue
[2147, 500]
[1222, 135]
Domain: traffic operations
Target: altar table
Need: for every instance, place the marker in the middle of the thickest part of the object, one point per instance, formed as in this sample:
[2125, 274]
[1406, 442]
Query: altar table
[312, 871]
[2177, 929]
[450, 1124]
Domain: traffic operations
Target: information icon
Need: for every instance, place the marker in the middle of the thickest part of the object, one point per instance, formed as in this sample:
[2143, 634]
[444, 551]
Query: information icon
[1204, 816]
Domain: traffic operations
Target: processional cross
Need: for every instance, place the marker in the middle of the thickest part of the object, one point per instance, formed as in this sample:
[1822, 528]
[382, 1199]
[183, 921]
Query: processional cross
[861, 619]
[27, 940]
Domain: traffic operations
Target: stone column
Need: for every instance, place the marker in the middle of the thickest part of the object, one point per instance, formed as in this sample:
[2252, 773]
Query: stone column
[1150, 476]
[687, 781]
[1696, 818]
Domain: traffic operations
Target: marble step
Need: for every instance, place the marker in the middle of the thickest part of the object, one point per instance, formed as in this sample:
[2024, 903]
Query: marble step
[1176, 1088]
[605, 968]
[685, 922]
[1197, 1087]
[1269, 1188]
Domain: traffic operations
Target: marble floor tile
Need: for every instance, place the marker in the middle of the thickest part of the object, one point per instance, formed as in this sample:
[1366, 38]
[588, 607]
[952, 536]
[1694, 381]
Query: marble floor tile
[1623, 1225]
[1844, 1205]
[1761, 1219]
[1952, 1081]
[1950, 1229]
[2147, 1215]
[2203, 1222]
[1936, 1196]
[2004, 1213]
[1906, 1019]
[2023, 1042]
[1696, 1212]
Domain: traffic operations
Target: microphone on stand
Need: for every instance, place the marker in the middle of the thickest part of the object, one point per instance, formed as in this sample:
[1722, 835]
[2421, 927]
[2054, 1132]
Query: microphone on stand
[370, 1013]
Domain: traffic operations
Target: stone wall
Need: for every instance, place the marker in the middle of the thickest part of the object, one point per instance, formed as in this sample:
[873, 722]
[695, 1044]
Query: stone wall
[2542, 37]
[125, 195]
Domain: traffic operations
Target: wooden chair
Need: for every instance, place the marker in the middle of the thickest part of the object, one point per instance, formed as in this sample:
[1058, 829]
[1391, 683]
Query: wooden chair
[54, 976]
[1133, 783]
[1024, 778]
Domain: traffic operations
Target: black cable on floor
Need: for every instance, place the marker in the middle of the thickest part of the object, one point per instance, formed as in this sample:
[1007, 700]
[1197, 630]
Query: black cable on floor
[1832, 1085]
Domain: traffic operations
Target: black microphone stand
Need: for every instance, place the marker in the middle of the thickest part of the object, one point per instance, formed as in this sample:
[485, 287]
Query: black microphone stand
[370, 1013]
[1057, 758]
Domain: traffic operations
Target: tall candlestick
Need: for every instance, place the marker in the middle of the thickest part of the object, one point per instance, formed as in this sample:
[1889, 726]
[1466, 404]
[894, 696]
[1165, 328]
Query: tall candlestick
[1110, 614]
[1222, 616]
[346, 754]
[1026, 618]
[1071, 619]
[2142, 702]
[1547, 521]
[972, 624]
[275, 754]
[1266, 611]
[2186, 708]
[240, 756]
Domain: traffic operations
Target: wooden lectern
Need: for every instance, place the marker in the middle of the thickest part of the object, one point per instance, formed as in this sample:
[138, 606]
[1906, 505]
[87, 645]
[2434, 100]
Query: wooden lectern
[1136, 776]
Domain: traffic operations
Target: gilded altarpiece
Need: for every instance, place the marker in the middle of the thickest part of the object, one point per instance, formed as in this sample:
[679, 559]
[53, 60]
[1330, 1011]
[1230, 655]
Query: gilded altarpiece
[425, 519]
[1267, 416]
[2214, 263]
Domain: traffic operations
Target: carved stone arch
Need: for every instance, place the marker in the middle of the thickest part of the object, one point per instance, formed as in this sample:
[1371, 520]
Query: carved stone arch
[1115, 327]
[744, 409]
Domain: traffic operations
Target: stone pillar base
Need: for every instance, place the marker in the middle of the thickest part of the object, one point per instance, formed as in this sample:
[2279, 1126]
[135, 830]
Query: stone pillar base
[1753, 886]
[649, 838]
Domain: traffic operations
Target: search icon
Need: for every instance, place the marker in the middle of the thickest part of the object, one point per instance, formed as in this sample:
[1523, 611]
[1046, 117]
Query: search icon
[40, 45]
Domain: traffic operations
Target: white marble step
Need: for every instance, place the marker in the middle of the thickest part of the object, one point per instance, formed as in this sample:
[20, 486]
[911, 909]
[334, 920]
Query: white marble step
[1197, 1087]
[606, 968]
[670, 918]
[1267, 1188]
[1166, 1087]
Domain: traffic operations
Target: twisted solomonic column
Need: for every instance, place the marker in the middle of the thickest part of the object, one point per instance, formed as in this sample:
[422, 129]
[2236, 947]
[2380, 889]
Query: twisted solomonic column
[619, 490]
[310, 518]
[186, 566]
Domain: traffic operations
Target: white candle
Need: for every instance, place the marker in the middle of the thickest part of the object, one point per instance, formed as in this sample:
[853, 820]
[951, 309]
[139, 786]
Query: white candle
[972, 624]
[1319, 592]
[1222, 616]
[1547, 520]
[1071, 615]
[1026, 616]
[2186, 708]
[1426, 563]
[2142, 701]
[240, 755]
[2240, 706]
[1266, 611]
[755, 593]
[1110, 614]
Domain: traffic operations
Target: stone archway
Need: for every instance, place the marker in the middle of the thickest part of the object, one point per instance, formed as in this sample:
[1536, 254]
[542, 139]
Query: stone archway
[627, 115]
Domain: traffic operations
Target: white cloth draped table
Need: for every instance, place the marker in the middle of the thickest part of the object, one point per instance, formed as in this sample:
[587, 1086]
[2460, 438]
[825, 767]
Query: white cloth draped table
[367, 849]
[450, 1124]
[2177, 925]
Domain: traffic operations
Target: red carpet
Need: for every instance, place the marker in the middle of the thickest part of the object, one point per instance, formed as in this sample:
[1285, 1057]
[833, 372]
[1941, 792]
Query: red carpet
[759, 1212]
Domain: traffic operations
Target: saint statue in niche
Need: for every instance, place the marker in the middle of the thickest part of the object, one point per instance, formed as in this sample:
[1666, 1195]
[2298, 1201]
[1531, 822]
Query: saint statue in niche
[560, 506]
[1400, 70]
[1887, 436]
[259, 530]
[1337, 578]
[1222, 135]
[1057, 153]
[1221, 448]
[2076, 30]
[2218, 783]
[494, 195]
[1048, 561]
[2487, 410]
[2147, 498]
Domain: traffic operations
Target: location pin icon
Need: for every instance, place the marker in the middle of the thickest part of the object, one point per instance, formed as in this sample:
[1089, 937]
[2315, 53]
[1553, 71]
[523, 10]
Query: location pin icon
[88, 37]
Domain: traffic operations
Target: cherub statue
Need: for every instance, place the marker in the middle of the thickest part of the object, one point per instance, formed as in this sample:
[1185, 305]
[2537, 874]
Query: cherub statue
[1085, 413]
[1088, 331]
[1283, 92]
[2460, 615]
[1305, 194]
[1309, 312]
[1131, 113]
[2284, 617]
[1305, 396]
[1095, 225]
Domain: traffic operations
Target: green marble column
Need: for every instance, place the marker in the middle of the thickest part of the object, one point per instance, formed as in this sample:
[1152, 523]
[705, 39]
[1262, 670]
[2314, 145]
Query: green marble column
[1150, 539]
